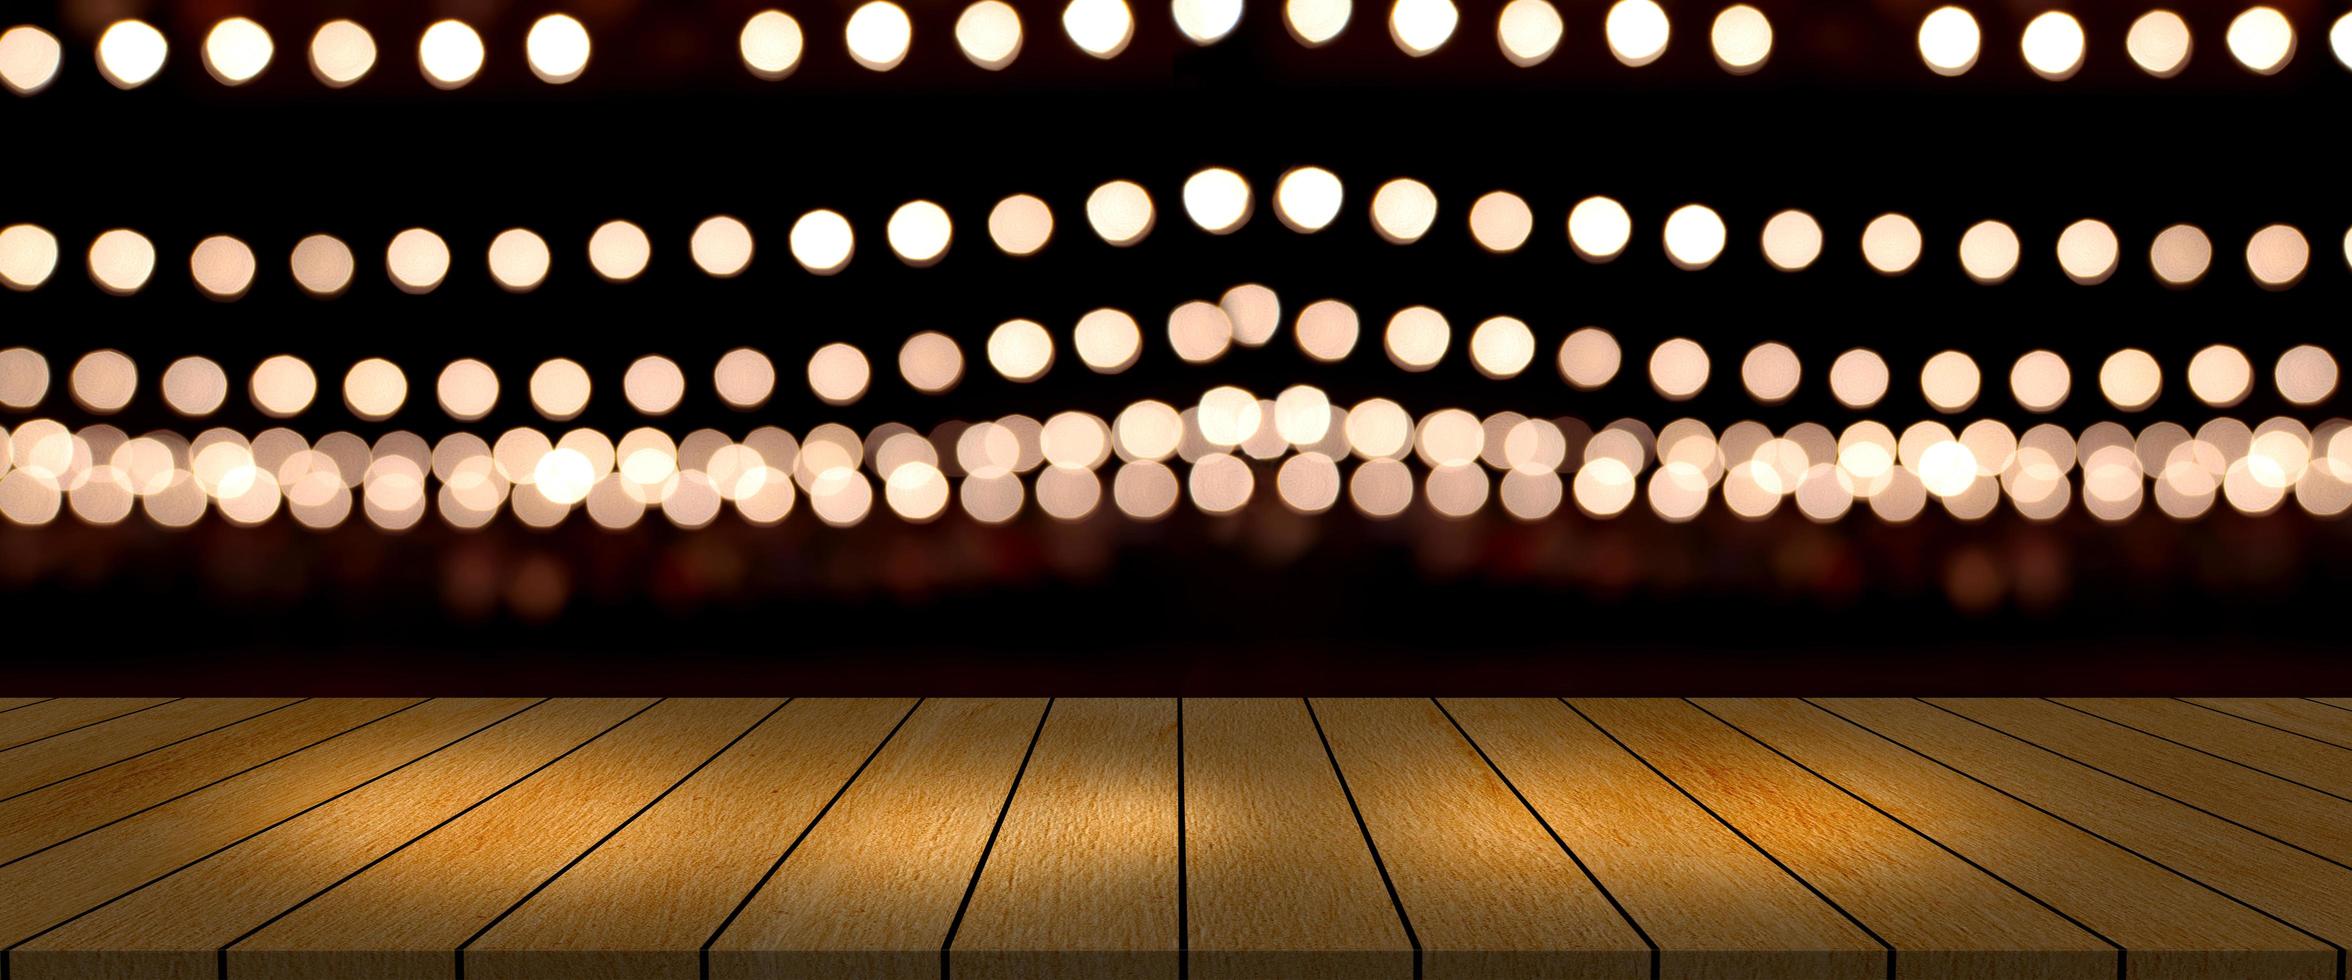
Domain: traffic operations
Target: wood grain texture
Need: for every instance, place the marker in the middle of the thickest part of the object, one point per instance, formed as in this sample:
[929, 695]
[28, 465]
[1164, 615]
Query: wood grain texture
[44, 890]
[1081, 884]
[2296, 814]
[1281, 884]
[1717, 908]
[2344, 703]
[2302, 889]
[642, 904]
[173, 929]
[1486, 890]
[11, 704]
[44, 817]
[72, 753]
[1945, 919]
[873, 889]
[2315, 764]
[405, 917]
[2327, 722]
[2173, 928]
[48, 718]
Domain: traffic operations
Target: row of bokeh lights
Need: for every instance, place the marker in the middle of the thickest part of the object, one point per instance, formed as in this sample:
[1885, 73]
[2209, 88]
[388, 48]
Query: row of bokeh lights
[1218, 200]
[1228, 443]
[1109, 341]
[879, 34]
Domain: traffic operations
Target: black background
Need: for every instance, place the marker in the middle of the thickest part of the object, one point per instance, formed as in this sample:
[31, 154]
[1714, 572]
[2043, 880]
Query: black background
[666, 128]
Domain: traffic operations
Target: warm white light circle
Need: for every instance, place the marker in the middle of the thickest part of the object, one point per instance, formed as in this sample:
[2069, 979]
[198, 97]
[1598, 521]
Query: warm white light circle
[1421, 26]
[374, 389]
[822, 242]
[1950, 381]
[1306, 199]
[322, 265]
[1891, 243]
[341, 52]
[2277, 256]
[1678, 368]
[1217, 199]
[1599, 229]
[1403, 209]
[131, 52]
[1315, 22]
[1206, 21]
[838, 374]
[721, 246]
[878, 34]
[1989, 251]
[1742, 38]
[1529, 31]
[919, 232]
[1021, 350]
[222, 266]
[2053, 45]
[1589, 358]
[519, 260]
[1948, 41]
[1500, 221]
[28, 254]
[121, 260]
[1792, 240]
[1100, 28]
[619, 251]
[2130, 379]
[989, 32]
[282, 386]
[1694, 236]
[557, 48]
[2180, 255]
[450, 53]
[2221, 376]
[771, 44]
[2262, 40]
[1020, 224]
[29, 58]
[2088, 251]
[2340, 38]
[2159, 43]
[236, 51]
[417, 260]
[1637, 31]
[1121, 212]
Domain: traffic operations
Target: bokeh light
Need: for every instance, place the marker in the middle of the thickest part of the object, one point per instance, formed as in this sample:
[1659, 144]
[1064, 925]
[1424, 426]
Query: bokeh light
[2053, 45]
[1500, 221]
[374, 389]
[450, 53]
[1206, 21]
[467, 389]
[1021, 350]
[2088, 251]
[1121, 212]
[130, 52]
[771, 44]
[1020, 224]
[1108, 341]
[1949, 40]
[341, 53]
[1501, 347]
[2306, 375]
[1989, 251]
[2261, 40]
[236, 51]
[417, 260]
[1589, 358]
[1637, 31]
[919, 233]
[1742, 38]
[2221, 376]
[28, 255]
[1792, 240]
[989, 32]
[282, 386]
[1694, 236]
[619, 251]
[103, 381]
[1417, 338]
[121, 260]
[1950, 381]
[1327, 330]
[2131, 379]
[878, 34]
[222, 267]
[322, 265]
[931, 362]
[2180, 255]
[1678, 369]
[1528, 31]
[2040, 380]
[653, 385]
[1100, 28]
[557, 48]
[29, 58]
[1306, 199]
[1217, 199]
[1770, 372]
[1859, 378]
[1421, 26]
[1403, 210]
[1599, 229]
[2277, 256]
[1891, 244]
[2159, 43]
[560, 388]
[838, 374]
[1315, 22]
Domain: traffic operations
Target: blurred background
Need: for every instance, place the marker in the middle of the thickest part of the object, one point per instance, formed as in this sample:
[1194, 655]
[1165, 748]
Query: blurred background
[2192, 586]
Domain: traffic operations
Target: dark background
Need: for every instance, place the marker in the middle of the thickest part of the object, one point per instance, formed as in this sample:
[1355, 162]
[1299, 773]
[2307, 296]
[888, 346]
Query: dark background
[667, 128]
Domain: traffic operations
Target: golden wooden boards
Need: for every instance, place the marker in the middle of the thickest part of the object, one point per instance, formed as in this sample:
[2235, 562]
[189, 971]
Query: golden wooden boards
[1152, 839]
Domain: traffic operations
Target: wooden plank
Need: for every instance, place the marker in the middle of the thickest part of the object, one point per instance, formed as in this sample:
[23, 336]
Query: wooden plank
[2297, 814]
[1714, 904]
[2174, 928]
[43, 890]
[873, 890]
[41, 818]
[2315, 764]
[2344, 703]
[1280, 883]
[2293, 885]
[172, 930]
[407, 915]
[642, 904]
[64, 756]
[2327, 722]
[1485, 889]
[49, 718]
[1946, 919]
[1082, 882]
[11, 704]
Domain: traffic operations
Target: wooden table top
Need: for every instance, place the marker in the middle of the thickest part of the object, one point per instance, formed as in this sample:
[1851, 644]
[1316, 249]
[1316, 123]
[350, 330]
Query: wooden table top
[1324, 839]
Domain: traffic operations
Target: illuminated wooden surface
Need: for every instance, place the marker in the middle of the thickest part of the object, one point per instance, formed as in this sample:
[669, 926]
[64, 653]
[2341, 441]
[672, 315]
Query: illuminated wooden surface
[647, 839]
